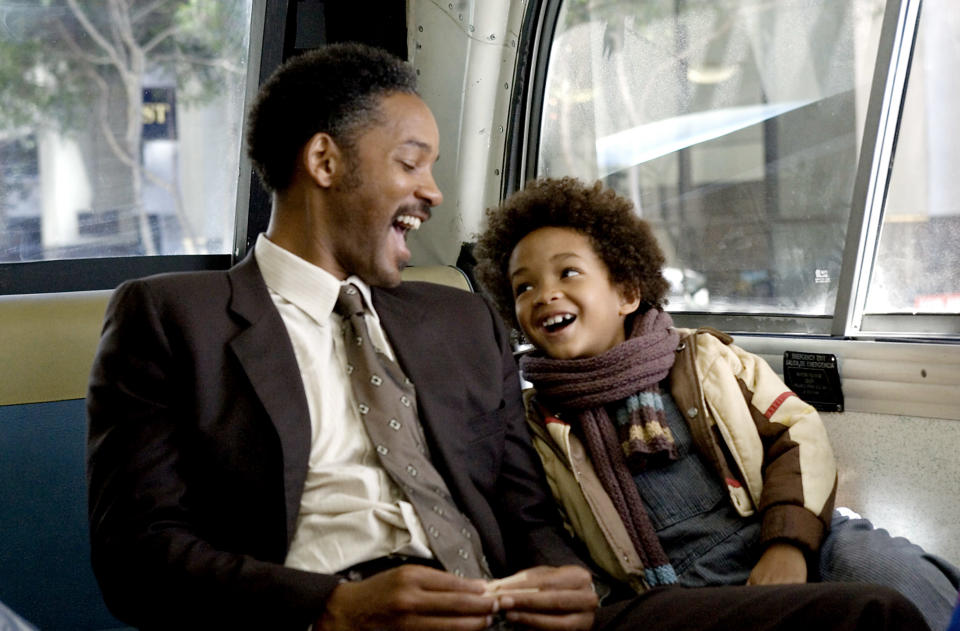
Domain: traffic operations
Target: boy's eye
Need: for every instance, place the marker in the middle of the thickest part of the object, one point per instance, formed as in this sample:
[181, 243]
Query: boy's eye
[521, 288]
[569, 271]
[408, 166]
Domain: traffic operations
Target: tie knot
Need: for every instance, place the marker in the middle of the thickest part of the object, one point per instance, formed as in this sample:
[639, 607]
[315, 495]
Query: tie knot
[350, 301]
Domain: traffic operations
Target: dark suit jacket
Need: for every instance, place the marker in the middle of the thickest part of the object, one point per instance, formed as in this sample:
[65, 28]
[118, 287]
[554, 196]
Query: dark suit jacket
[199, 436]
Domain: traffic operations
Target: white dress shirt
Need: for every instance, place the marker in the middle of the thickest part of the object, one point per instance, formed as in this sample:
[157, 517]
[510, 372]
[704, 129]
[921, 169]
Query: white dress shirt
[351, 510]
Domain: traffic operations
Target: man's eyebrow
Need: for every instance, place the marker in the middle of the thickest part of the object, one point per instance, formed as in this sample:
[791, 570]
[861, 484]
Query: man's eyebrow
[419, 144]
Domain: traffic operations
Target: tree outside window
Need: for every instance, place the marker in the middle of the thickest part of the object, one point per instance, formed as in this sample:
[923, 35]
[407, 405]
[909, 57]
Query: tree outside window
[120, 126]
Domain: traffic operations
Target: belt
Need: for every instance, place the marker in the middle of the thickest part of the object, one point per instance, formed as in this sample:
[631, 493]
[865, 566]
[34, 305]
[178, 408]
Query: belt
[366, 569]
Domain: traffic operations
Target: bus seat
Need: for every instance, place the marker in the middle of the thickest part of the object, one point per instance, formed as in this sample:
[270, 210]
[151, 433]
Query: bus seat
[48, 342]
[441, 274]
[50, 339]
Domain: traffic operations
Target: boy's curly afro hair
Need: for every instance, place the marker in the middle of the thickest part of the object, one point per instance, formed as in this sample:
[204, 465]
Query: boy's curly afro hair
[622, 240]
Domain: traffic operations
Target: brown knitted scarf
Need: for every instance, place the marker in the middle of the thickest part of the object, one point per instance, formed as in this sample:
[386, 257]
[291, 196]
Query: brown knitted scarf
[628, 375]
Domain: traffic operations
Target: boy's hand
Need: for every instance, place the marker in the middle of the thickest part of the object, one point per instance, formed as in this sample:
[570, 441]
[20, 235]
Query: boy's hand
[410, 597]
[780, 564]
[550, 598]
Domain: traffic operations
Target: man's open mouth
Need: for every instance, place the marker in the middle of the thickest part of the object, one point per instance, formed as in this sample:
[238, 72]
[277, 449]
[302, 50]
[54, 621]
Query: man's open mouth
[406, 223]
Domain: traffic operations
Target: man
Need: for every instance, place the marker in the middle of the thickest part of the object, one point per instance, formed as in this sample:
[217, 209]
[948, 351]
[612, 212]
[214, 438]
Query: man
[235, 477]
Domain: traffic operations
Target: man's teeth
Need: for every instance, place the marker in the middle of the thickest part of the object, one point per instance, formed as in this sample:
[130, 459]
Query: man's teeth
[408, 222]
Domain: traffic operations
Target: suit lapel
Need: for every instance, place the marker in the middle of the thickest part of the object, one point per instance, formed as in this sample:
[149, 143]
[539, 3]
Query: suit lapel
[267, 357]
[421, 354]
[399, 317]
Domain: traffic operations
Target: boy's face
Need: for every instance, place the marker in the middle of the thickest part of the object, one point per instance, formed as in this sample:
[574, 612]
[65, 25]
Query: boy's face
[565, 302]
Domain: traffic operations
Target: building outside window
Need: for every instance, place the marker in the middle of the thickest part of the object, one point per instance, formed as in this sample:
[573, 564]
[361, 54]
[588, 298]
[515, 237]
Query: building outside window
[120, 131]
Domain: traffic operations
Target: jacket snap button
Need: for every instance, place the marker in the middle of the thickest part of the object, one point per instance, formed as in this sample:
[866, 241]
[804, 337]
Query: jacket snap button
[692, 412]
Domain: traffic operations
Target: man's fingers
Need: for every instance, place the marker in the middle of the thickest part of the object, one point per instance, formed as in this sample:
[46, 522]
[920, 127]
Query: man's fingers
[543, 578]
[560, 578]
[547, 598]
[432, 579]
[555, 601]
[424, 590]
[408, 597]
[450, 603]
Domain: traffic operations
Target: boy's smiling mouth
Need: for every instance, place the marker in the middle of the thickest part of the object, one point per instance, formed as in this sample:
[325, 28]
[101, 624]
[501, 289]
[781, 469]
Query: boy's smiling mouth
[557, 322]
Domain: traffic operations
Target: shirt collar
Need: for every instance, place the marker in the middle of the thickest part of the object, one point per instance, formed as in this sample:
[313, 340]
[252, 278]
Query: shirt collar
[311, 288]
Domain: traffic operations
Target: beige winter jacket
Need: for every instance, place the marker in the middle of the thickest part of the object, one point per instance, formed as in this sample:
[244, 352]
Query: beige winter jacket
[769, 447]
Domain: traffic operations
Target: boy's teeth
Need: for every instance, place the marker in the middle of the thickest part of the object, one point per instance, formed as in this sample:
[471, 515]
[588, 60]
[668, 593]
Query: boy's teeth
[556, 319]
[408, 222]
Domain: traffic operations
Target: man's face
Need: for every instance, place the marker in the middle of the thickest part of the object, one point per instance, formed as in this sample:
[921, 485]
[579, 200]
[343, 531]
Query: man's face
[386, 190]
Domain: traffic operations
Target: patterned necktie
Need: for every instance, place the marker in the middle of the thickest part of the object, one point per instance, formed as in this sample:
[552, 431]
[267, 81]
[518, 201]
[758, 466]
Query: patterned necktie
[386, 401]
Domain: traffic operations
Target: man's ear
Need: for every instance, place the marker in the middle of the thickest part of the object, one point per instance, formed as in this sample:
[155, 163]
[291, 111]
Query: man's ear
[323, 159]
[629, 300]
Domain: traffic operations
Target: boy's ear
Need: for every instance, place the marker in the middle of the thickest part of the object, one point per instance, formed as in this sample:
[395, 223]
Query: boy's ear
[323, 159]
[629, 301]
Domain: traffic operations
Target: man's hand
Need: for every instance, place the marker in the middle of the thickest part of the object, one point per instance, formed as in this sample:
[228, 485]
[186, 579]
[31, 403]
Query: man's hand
[410, 597]
[780, 564]
[550, 598]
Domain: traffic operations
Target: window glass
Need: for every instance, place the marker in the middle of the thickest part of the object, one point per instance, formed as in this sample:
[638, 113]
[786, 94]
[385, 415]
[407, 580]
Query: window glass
[733, 125]
[120, 127]
[917, 267]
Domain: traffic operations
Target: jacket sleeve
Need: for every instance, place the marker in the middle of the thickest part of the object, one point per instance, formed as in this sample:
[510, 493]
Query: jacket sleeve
[774, 442]
[158, 563]
[799, 470]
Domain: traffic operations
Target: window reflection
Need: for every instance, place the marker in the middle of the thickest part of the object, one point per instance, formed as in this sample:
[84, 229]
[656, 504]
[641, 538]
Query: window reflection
[734, 126]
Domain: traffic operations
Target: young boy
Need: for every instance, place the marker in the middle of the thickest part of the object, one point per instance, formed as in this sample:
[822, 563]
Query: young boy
[674, 455]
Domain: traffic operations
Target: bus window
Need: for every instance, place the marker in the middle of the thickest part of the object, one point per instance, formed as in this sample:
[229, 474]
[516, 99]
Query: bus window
[917, 263]
[121, 127]
[735, 128]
